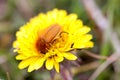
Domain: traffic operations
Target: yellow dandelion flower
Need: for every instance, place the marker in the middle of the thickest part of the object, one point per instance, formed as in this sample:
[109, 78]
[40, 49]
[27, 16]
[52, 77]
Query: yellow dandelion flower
[48, 38]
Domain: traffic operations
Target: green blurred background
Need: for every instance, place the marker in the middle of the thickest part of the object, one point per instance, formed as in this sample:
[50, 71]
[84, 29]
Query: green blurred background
[15, 13]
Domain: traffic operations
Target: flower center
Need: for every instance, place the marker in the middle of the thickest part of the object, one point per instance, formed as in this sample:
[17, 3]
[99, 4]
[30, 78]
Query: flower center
[47, 38]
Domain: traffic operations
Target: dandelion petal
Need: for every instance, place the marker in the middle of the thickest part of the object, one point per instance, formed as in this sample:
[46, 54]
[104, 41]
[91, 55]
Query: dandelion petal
[49, 63]
[69, 56]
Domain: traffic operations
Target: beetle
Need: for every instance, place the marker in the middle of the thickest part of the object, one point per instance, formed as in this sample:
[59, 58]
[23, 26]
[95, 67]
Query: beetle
[47, 37]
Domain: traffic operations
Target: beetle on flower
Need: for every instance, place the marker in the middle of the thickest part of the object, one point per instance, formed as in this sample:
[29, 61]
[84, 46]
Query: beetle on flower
[47, 39]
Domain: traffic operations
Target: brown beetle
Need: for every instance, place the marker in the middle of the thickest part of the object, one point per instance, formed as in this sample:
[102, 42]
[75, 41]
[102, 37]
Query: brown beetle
[47, 38]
